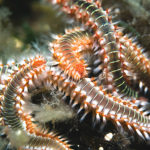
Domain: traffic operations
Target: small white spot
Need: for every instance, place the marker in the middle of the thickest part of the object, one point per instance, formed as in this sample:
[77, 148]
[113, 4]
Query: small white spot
[88, 99]
[77, 89]
[20, 90]
[108, 137]
[101, 148]
[118, 116]
[106, 111]
[100, 109]
[94, 103]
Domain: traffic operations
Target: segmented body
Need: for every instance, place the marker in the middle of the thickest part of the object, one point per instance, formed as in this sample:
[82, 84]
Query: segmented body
[96, 19]
[70, 76]
[10, 97]
[26, 134]
[94, 98]
[140, 65]
[68, 51]
[109, 45]
[105, 33]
